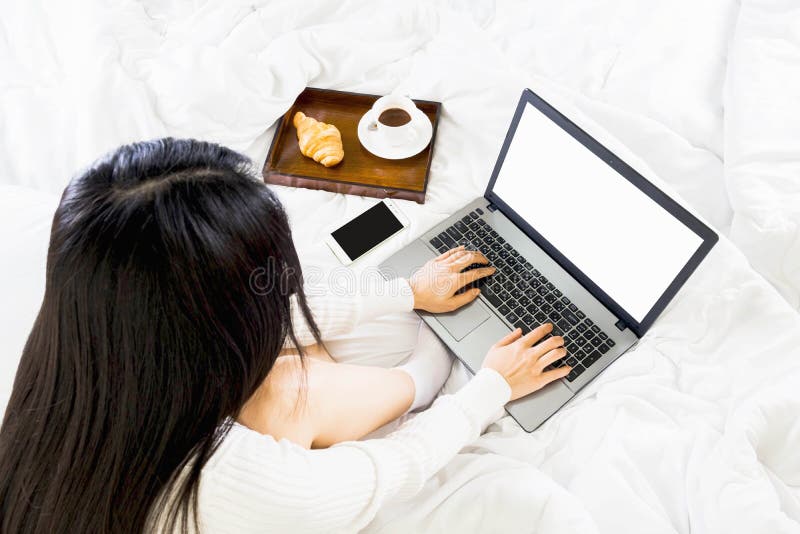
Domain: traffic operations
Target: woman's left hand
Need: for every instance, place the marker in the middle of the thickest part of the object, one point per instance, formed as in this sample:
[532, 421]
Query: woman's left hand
[436, 283]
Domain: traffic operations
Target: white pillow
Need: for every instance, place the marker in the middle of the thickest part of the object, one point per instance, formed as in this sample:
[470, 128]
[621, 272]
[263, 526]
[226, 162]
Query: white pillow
[25, 219]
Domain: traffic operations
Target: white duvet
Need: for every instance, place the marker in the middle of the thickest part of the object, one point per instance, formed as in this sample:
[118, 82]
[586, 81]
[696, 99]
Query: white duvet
[694, 430]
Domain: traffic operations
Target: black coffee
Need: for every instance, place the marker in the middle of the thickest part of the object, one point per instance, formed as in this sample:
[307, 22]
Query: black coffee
[394, 117]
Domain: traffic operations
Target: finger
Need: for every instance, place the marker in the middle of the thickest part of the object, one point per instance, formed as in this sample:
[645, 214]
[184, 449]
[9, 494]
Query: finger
[547, 345]
[457, 255]
[551, 356]
[456, 301]
[509, 338]
[536, 334]
[555, 374]
[468, 258]
[474, 274]
[449, 253]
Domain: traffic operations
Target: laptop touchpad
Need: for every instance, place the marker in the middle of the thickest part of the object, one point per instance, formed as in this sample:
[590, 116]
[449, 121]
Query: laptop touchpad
[464, 320]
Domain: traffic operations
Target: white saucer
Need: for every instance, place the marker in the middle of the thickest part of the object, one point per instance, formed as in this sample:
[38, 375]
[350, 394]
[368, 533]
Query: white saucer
[371, 140]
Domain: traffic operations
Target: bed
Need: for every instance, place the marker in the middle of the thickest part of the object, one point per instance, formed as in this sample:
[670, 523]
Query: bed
[696, 429]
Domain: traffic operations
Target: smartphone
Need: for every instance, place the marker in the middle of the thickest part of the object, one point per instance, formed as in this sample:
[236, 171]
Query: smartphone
[360, 235]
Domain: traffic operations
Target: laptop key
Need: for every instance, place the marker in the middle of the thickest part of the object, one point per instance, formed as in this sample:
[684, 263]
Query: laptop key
[503, 309]
[540, 317]
[590, 358]
[447, 240]
[580, 314]
[603, 348]
[602, 335]
[564, 325]
[489, 294]
[610, 342]
[512, 317]
[575, 373]
[571, 317]
[453, 233]
[436, 242]
[573, 308]
[558, 305]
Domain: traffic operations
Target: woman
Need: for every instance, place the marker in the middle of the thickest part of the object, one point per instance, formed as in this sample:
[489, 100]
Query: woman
[152, 393]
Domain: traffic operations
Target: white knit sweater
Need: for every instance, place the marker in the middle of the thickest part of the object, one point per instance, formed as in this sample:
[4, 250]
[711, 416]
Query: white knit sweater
[254, 483]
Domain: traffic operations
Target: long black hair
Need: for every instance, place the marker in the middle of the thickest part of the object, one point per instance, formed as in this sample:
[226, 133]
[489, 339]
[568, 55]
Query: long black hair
[150, 337]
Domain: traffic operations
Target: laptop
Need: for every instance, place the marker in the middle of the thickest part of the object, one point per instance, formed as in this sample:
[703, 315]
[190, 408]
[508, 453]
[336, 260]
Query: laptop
[579, 239]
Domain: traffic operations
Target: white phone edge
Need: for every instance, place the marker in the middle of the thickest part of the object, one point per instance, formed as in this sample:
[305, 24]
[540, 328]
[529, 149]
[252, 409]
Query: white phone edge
[341, 255]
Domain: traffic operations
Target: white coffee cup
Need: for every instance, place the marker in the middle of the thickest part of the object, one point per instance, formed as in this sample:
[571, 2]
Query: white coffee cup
[393, 135]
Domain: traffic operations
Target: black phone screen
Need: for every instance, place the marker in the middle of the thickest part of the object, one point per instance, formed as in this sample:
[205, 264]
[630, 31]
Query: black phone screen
[367, 230]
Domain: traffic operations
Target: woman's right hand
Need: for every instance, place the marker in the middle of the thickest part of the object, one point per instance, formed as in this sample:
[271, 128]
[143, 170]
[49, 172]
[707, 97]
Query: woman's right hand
[521, 361]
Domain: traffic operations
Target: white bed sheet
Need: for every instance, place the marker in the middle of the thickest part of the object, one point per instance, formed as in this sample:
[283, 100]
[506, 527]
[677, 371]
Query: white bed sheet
[695, 429]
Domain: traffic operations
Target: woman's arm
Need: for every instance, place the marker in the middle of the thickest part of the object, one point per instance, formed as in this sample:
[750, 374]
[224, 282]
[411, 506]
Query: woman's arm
[328, 402]
[433, 288]
[345, 402]
[338, 312]
[256, 483]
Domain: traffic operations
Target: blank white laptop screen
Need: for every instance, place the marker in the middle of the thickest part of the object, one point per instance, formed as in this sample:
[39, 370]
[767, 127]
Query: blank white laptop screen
[620, 238]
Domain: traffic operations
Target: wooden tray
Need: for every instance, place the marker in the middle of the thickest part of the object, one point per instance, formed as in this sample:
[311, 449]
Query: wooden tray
[360, 172]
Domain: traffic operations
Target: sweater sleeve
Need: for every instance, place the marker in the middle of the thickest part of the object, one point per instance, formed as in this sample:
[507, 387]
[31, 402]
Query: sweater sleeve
[255, 484]
[339, 311]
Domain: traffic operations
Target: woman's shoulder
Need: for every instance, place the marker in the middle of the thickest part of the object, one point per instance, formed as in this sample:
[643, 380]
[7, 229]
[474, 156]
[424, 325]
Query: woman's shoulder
[280, 407]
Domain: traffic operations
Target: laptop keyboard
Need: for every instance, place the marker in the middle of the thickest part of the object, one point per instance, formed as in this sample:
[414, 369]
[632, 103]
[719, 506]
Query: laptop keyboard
[524, 296]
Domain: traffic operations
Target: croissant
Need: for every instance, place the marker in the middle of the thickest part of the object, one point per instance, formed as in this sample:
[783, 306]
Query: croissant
[319, 141]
